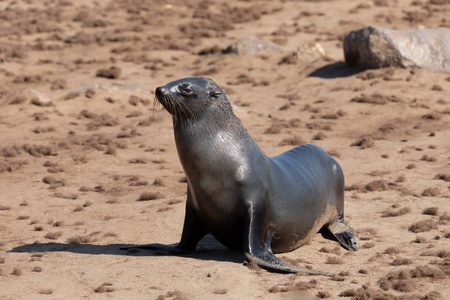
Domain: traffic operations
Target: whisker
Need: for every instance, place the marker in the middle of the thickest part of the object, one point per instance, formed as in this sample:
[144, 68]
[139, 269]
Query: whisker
[155, 108]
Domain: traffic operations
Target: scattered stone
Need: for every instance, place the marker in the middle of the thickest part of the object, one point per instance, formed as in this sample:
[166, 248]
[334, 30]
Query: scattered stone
[89, 93]
[39, 98]
[71, 95]
[305, 53]
[442, 176]
[364, 142]
[111, 73]
[431, 192]
[251, 45]
[105, 288]
[58, 84]
[18, 100]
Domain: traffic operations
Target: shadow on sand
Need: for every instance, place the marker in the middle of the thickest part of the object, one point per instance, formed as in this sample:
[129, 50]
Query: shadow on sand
[208, 249]
[335, 70]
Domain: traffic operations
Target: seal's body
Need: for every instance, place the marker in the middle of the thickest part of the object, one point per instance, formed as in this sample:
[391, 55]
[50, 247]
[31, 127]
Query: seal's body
[245, 199]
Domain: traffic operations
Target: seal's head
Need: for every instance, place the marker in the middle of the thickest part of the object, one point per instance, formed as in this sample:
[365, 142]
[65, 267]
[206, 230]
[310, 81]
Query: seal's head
[192, 97]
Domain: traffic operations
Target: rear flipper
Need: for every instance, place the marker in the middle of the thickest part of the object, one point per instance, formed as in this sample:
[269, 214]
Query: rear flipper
[345, 234]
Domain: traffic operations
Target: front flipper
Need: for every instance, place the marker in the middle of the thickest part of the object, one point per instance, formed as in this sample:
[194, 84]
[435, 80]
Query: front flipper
[263, 255]
[345, 234]
[268, 260]
[193, 231]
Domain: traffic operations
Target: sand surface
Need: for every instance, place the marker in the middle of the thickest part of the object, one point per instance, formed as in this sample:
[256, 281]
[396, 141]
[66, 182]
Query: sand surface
[77, 150]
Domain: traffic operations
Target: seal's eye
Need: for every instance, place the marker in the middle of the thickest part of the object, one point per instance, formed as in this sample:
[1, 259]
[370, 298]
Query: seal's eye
[185, 89]
[215, 94]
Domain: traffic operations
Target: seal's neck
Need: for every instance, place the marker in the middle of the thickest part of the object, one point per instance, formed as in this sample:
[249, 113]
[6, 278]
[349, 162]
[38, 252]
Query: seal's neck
[208, 137]
[208, 127]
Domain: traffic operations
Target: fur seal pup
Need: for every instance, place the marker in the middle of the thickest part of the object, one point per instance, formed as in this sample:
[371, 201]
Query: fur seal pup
[245, 199]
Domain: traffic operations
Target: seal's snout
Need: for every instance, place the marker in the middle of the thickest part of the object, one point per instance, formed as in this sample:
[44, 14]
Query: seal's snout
[159, 91]
[163, 96]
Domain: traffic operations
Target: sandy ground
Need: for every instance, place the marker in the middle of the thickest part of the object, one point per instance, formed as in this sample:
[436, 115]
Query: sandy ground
[77, 151]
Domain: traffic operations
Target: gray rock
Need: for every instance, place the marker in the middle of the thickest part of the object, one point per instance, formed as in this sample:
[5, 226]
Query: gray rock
[377, 47]
[251, 45]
